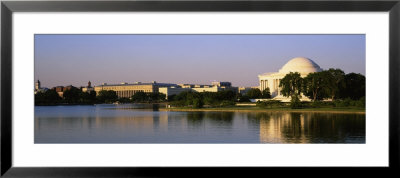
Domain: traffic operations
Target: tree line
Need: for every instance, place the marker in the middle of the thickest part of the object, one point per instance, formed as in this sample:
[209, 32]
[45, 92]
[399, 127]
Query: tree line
[334, 84]
[71, 96]
[342, 89]
[253, 93]
[201, 99]
[77, 96]
[331, 84]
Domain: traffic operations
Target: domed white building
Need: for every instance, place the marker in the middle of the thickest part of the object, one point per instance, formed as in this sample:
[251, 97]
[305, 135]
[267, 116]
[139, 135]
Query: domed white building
[302, 65]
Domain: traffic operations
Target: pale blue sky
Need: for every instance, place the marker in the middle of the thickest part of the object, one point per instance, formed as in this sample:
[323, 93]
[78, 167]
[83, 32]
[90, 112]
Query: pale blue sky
[76, 59]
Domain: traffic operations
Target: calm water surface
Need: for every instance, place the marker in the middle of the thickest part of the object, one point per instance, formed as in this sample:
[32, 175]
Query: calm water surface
[134, 123]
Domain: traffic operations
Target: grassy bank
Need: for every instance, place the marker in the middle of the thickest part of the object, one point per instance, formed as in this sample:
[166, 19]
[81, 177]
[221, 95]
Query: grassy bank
[277, 109]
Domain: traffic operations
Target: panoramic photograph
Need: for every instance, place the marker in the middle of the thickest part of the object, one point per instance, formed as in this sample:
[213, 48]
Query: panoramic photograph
[200, 88]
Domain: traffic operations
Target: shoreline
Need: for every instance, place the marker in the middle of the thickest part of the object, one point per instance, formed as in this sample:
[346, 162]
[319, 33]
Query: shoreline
[78, 104]
[308, 110]
[244, 109]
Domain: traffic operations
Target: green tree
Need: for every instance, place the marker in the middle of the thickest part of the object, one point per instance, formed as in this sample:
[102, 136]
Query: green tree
[88, 97]
[254, 93]
[199, 99]
[152, 97]
[161, 96]
[314, 84]
[226, 95]
[291, 85]
[52, 96]
[244, 98]
[172, 97]
[266, 93]
[139, 96]
[39, 98]
[182, 96]
[72, 95]
[155, 97]
[334, 79]
[194, 99]
[124, 100]
[295, 102]
[48, 97]
[209, 98]
[354, 86]
[179, 100]
[149, 97]
[197, 103]
[107, 96]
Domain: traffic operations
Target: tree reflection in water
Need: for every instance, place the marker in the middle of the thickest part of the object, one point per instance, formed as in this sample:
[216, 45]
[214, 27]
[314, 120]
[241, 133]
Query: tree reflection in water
[142, 123]
[300, 127]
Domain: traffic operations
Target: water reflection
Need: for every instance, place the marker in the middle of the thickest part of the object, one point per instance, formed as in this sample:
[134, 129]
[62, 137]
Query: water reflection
[146, 124]
[144, 106]
[280, 127]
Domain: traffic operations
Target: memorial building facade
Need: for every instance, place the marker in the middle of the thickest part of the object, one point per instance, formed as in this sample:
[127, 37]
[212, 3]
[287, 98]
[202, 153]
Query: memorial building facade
[302, 65]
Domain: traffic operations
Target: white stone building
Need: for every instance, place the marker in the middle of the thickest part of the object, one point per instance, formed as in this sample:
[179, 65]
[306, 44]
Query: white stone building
[168, 91]
[302, 65]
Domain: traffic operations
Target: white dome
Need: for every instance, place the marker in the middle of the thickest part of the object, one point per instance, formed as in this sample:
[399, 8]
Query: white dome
[301, 65]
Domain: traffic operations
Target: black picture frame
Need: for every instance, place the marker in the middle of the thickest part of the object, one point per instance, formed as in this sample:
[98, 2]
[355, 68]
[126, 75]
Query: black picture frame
[8, 7]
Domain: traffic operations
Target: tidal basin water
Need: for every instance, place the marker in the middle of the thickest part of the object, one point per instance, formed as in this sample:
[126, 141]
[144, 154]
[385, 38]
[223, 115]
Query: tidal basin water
[140, 123]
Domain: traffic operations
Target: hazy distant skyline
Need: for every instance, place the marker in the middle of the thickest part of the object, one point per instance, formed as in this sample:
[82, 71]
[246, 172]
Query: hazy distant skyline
[199, 59]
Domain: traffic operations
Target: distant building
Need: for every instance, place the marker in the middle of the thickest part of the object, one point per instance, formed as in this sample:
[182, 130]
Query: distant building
[61, 89]
[222, 84]
[38, 87]
[126, 90]
[208, 89]
[169, 91]
[88, 88]
[214, 87]
[186, 85]
[194, 86]
[244, 90]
